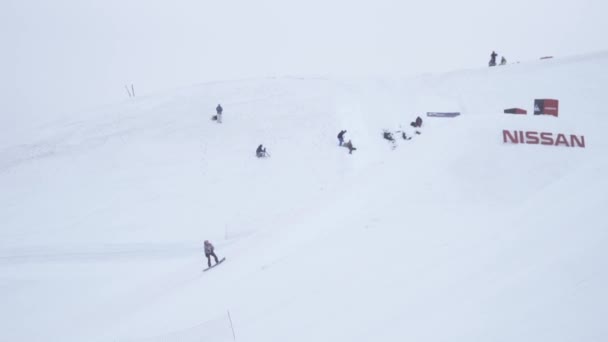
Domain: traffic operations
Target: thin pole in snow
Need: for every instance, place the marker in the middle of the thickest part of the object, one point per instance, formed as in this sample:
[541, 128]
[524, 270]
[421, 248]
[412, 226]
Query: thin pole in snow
[128, 91]
[132, 90]
[231, 327]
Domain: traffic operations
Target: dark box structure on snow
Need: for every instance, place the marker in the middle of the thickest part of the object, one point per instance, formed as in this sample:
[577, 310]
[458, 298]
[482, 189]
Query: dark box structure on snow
[546, 107]
[516, 111]
[442, 114]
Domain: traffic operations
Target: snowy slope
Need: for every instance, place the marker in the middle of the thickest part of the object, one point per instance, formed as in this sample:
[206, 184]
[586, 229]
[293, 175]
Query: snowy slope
[451, 236]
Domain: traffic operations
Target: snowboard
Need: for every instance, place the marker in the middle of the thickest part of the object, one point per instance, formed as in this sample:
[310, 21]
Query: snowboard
[219, 262]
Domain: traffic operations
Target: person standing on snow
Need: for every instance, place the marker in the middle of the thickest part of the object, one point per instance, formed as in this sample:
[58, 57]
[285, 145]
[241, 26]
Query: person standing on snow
[219, 111]
[493, 58]
[341, 137]
[210, 252]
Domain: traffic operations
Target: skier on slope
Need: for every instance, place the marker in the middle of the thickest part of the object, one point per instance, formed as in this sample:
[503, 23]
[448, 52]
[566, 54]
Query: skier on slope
[341, 137]
[219, 111]
[210, 252]
[260, 152]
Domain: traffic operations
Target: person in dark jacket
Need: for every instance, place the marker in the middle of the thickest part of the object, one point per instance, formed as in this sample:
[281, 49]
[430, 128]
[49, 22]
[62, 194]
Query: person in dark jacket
[418, 122]
[260, 152]
[493, 58]
[503, 61]
[349, 146]
[210, 252]
[219, 111]
[341, 137]
[388, 136]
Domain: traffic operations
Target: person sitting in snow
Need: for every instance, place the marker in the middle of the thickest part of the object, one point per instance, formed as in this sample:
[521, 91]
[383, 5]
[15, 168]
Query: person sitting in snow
[349, 146]
[260, 152]
[341, 137]
[210, 252]
[388, 136]
[503, 61]
[417, 122]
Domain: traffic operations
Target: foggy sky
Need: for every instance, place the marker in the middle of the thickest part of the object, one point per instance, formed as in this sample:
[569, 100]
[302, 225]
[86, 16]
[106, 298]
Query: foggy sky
[63, 56]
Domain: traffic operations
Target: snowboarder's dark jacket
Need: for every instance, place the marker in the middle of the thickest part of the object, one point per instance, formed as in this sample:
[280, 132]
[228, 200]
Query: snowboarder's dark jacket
[208, 248]
[341, 134]
[219, 109]
[388, 136]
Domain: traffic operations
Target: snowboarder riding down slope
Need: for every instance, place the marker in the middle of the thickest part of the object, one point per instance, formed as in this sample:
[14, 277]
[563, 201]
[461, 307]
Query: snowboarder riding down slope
[219, 111]
[341, 137]
[260, 152]
[209, 252]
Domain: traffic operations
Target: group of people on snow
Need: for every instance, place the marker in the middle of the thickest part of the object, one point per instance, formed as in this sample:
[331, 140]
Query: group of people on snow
[260, 152]
[348, 145]
[388, 135]
[385, 134]
[503, 60]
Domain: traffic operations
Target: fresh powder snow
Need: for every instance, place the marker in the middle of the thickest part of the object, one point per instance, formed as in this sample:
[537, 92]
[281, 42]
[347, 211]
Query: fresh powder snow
[453, 235]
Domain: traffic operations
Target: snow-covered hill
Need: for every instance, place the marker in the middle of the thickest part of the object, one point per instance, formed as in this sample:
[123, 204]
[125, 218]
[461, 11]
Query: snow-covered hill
[451, 236]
